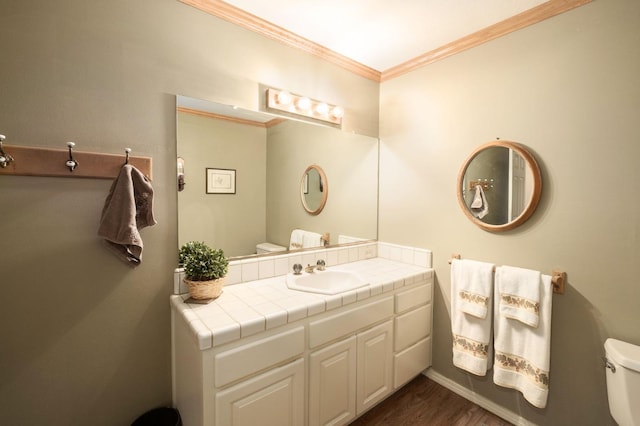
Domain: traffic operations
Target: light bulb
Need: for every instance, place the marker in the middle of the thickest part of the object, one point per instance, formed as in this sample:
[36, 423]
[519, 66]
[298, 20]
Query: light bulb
[304, 104]
[322, 108]
[337, 112]
[283, 98]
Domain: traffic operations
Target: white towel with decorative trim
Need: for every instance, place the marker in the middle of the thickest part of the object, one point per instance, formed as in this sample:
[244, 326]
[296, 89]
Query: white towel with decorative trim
[475, 287]
[520, 294]
[295, 241]
[305, 239]
[522, 352]
[471, 333]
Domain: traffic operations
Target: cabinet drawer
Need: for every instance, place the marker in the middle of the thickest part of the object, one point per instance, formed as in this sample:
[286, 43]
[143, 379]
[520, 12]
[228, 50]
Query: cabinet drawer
[412, 298]
[331, 328]
[412, 326]
[411, 362]
[248, 359]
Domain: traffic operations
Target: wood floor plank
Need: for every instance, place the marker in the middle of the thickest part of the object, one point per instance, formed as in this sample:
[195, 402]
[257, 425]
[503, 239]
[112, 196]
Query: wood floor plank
[423, 402]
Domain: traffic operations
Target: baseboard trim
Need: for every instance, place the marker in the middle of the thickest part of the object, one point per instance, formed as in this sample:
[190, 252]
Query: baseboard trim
[480, 400]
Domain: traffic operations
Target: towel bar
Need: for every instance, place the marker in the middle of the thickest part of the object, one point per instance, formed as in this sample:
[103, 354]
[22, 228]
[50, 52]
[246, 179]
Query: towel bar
[558, 278]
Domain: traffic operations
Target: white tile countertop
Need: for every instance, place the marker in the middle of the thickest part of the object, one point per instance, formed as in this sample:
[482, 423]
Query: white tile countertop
[252, 307]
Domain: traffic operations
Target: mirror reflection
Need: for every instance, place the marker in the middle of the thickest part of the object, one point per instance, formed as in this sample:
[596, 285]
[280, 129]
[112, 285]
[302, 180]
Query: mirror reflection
[268, 155]
[499, 186]
[314, 189]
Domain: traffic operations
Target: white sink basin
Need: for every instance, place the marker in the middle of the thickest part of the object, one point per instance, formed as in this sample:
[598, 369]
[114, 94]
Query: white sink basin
[325, 282]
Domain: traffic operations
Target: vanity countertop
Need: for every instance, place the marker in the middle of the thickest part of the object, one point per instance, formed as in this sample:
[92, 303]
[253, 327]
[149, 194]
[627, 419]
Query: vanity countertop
[246, 309]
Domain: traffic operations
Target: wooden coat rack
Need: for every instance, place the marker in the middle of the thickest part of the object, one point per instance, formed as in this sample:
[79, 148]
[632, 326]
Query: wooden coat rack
[33, 161]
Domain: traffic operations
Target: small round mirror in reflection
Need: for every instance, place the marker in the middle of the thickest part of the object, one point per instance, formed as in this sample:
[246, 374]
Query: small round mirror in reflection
[314, 189]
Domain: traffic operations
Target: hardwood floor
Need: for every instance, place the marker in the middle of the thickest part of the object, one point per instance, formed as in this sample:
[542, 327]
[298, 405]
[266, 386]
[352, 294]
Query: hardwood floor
[424, 402]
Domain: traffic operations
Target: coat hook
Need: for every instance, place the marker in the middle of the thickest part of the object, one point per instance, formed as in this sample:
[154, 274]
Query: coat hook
[71, 163]
[126, 153]
[5, 159]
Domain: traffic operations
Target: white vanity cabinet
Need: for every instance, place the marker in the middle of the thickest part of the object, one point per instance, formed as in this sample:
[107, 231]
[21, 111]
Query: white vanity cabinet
[328, 367]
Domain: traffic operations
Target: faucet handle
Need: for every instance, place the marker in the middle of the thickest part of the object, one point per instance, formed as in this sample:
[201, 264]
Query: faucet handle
[297, 269]
[320, 265]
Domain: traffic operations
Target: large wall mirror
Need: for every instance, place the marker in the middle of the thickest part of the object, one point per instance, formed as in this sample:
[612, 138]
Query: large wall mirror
[499, 186]
[267, 155]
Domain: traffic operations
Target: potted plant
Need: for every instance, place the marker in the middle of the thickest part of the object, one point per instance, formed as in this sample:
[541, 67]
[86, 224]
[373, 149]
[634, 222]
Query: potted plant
[204, 268]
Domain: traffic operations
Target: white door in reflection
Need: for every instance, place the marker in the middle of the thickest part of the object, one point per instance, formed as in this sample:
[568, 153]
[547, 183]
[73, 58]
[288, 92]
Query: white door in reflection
[517, 172]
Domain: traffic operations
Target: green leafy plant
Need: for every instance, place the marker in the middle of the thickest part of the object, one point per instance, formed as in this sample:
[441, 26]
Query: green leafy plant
[201, 262]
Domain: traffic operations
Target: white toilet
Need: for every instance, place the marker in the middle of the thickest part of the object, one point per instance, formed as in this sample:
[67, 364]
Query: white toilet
[623, 381]
[263, 248]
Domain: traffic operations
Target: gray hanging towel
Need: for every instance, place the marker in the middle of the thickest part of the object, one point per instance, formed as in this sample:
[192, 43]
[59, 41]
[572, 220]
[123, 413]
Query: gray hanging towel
[127, 209]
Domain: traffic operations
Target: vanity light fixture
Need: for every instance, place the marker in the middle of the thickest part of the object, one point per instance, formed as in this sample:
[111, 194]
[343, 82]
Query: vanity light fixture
[282, 100]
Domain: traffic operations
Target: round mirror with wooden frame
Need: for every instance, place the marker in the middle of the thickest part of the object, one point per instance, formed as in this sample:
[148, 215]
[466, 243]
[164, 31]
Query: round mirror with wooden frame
[499, 186]
[314, 189]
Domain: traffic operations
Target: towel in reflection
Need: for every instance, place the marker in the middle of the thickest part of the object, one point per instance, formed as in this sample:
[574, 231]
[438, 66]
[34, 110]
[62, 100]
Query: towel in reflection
[305, 239]
[127, 209]
[479, 205]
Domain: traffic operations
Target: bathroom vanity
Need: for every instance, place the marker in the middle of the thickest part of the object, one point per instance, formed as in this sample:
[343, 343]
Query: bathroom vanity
[266, 354]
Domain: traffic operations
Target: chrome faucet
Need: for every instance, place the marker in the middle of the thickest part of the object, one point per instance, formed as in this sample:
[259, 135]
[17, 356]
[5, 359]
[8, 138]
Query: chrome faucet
[310, 268]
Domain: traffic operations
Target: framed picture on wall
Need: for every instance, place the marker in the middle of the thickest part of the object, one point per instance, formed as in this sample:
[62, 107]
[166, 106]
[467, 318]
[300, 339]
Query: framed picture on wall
[221, 181]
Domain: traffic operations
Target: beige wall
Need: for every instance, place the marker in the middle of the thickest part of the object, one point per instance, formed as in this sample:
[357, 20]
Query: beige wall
[85, 339]
[569, 89]
[233, 222]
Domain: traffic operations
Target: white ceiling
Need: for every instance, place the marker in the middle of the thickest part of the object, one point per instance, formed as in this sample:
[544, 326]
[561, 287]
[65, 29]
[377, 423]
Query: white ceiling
[381, 33]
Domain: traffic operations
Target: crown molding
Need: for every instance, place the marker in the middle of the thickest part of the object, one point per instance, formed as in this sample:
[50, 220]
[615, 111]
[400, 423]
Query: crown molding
[244, 121]
[251, 22]
[516, 22]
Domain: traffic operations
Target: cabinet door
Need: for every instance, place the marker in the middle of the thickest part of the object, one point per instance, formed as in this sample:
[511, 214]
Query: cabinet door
[332, 384]
[375, 363]
[275, 398]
